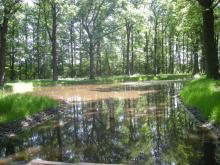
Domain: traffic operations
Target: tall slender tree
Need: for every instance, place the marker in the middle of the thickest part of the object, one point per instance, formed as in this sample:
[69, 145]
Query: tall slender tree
[9, 9]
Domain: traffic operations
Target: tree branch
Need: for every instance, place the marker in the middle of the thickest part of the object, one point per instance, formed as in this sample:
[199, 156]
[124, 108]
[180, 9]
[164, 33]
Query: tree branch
[216, 4]
[46, 25]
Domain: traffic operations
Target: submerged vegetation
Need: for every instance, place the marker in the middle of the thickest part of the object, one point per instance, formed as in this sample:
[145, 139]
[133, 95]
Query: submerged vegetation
[18, 106]
[203, 94]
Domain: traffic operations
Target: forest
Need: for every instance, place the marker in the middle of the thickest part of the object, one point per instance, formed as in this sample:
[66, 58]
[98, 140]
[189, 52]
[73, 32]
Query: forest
[51, 39]
[110, 81]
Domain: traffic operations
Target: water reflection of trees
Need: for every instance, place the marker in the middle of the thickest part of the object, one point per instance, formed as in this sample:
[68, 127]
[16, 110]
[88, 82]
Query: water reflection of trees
[152, 129]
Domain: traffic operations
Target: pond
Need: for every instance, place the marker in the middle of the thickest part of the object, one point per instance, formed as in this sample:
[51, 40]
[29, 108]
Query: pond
[130, 123]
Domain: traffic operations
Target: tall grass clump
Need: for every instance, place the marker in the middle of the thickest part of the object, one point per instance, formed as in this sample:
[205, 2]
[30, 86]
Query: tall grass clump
[18, 106]
[203, 94]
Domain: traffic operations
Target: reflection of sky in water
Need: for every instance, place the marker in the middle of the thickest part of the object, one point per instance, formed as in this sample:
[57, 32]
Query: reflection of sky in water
[129, 123]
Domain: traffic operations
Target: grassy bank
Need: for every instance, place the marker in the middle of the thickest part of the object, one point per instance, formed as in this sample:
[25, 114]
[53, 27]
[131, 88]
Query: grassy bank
[19, 106]
[204, 94]
[110, 79]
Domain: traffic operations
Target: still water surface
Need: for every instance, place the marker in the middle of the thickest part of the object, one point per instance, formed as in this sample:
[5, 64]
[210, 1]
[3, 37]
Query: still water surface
[133, 123]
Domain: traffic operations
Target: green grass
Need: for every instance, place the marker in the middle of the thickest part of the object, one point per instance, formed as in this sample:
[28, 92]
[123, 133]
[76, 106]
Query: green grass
[19, 106]
[110, 79]
[203, 94]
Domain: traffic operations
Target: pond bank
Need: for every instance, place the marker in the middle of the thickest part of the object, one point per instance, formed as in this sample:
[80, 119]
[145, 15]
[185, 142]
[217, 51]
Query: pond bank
[201, 98]
[204, 95]
[14, 107]
[10, 129]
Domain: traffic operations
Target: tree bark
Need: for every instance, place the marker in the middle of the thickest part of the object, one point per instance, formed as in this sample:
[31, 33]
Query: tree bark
[195, 57]
[128, 32]
[3, 31]
[12, 70]
[146, 68]
[209, 40]
[183, 59]
[98, 59]
[71, 48]
[54, 42]
[80, 51]
[171, 58]
[187, 54]
[91, 59]
[38, 45]
[132, 52]
[162, 50]
[12, 62]
[155, 47]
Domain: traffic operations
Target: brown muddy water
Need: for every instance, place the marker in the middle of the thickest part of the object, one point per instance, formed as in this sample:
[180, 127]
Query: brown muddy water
[131, 123]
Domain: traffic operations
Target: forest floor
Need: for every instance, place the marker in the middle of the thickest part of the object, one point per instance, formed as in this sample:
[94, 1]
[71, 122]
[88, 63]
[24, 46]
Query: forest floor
[203, 96]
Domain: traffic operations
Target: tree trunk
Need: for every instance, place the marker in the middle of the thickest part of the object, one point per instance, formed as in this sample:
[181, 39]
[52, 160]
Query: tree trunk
[195, 57]
[128, 32]
[98, 59]
[155, 47]
[54, 42]
[146, 68]
[187, 54]
[209, 40]
[123, 54]
[38, 46]
[80, 51]
[217, 45]
[12, 68]
[171, 58]
[183, 55]
[91, 58]
[166, 51]
[162, 49]
[132, 52]
[71, 49]
[3, 31]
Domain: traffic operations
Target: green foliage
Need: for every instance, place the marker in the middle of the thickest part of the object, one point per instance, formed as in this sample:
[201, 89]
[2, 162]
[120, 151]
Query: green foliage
[204, 94]
[162, 37]
[18, 106]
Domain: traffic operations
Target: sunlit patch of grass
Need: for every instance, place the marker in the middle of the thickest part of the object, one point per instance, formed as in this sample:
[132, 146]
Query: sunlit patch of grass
[18, 106]
[204, 95]
[22, 87]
